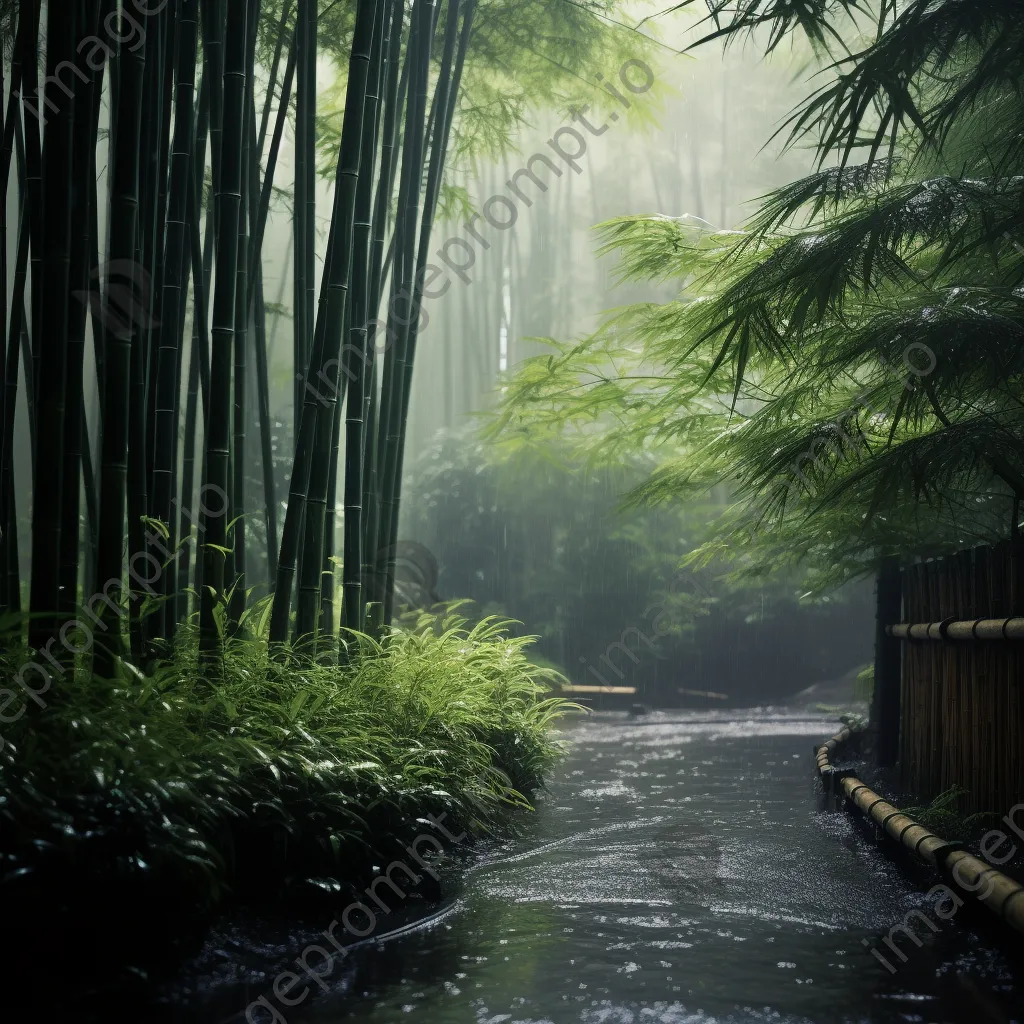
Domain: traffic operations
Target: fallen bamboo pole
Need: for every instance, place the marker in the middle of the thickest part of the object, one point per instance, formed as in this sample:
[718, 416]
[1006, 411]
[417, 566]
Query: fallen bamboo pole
[576, 688]
[962, 629]
[1005, 896]
[709, 694]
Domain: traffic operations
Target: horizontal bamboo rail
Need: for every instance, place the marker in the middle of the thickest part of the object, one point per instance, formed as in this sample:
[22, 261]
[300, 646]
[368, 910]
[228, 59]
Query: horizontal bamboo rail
[963, 629]
[1005, 897]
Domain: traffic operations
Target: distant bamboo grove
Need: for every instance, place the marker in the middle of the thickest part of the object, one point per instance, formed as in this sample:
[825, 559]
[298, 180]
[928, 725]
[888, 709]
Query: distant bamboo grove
[162, 121]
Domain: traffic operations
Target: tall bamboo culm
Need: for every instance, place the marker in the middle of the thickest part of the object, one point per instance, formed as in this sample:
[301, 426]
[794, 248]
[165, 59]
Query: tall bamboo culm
[302, 540]
[176, 266]
[445, 98]
[51, 334]
[357, 359]
[401, 304]
[218, 432]
[331, 320]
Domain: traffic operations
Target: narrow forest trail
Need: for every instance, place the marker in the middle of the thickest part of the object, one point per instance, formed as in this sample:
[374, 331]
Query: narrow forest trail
[681, 869]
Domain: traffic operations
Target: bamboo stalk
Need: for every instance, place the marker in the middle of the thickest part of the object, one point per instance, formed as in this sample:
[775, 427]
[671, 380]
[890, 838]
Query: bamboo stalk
[358, 357]
[448, 86]
[8, 392]
[157, 153]
[258, 312]
[393, 100]
[401, 305]
[330, 323]
[86, 125]
[199, 369]
[34, 188]
[294, 540]
[10, 586]
[147, 276]
[228, 213]
[325, 626]
[305, 197]
[241, 340]
[175, 284]
[266, 439]
[52, 335]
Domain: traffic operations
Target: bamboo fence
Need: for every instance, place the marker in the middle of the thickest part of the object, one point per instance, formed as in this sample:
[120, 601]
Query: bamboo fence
[1003, 895]
[961, 711]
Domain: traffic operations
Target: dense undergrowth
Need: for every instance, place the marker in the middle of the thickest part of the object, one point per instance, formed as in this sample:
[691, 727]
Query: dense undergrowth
[172, 788]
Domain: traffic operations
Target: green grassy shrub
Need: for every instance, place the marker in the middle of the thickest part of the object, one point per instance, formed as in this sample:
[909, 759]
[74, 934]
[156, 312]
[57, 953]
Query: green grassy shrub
[170, 785]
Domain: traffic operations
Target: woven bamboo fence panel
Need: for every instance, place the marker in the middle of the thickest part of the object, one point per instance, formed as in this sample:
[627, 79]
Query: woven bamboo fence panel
[962, 713]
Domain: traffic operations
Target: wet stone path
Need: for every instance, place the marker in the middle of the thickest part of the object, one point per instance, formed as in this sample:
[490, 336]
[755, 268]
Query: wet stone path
[681, 869]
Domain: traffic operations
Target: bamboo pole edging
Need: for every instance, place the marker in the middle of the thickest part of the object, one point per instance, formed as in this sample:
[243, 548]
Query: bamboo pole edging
[1005, 896]
[1011, 628]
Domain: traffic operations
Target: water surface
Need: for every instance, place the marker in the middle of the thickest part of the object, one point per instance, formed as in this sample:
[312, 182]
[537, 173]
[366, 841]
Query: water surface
[681, 868]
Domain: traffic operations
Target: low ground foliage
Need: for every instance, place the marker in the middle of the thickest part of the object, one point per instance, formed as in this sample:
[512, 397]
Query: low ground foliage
[170, 783]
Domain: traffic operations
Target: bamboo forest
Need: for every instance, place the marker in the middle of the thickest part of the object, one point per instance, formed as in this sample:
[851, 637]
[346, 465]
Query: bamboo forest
[510, 511]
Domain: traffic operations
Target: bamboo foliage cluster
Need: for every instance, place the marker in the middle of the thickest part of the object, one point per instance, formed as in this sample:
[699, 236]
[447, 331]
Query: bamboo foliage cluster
[849, 364]
[143, 139]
